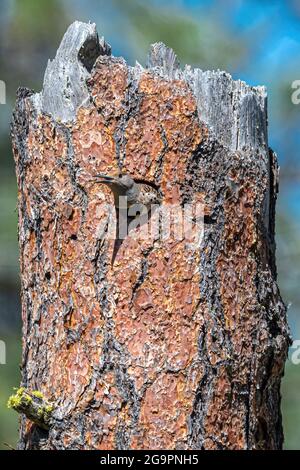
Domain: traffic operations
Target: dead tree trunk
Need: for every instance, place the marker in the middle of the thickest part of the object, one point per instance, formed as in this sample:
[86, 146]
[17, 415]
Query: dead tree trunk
[169, 347]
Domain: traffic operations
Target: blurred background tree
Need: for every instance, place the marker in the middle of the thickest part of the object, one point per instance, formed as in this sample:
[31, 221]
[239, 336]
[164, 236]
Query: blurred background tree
[253, 40]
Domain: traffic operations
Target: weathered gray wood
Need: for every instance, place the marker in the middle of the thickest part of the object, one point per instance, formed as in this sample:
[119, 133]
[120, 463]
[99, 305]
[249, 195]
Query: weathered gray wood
[64, 88]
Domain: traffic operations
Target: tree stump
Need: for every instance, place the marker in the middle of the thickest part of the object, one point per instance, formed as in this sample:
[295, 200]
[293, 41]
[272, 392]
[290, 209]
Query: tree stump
[169, 347]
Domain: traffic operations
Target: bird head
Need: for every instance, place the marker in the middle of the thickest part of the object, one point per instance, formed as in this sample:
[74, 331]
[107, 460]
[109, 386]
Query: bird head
[121, 180]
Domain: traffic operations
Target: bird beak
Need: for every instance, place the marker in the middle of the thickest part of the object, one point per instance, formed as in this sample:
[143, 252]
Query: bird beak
[105, 179]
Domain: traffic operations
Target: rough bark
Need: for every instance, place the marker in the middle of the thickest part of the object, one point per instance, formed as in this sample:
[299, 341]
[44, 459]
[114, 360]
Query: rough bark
[168, 348]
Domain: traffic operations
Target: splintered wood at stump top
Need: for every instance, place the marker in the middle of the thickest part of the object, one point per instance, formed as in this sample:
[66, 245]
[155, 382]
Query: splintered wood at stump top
[168, 348]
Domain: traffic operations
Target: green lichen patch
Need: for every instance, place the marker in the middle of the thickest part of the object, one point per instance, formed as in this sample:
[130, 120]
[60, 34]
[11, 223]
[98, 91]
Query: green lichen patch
[33, 404]
[38, 394]
[20, 398]
[44, 412]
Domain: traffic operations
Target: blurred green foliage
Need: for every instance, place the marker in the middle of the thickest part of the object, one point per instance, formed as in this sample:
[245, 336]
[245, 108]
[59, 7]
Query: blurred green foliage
[30, 32]
[37, 20]
[205, 43]
[8, 234]
[9, 378]
[290, 406]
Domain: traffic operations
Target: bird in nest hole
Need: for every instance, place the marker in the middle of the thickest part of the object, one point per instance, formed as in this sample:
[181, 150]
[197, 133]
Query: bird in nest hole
[131, 197]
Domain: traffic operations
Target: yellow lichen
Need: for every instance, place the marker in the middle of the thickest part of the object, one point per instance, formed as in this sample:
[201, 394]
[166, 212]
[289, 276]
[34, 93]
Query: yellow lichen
[47, 412]
[44, 412]
[23, 399]
[19, 398]
[38, 394]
